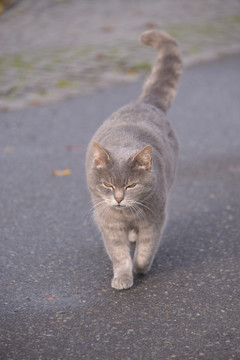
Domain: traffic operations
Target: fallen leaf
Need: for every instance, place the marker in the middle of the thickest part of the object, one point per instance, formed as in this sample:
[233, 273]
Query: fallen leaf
[61, 172]
[100, 56]
[35, 102]
[131, 71]
[150, 25]
[76, 148]
[50, 297]
[107, 28]
[9, 150]
[4, 108]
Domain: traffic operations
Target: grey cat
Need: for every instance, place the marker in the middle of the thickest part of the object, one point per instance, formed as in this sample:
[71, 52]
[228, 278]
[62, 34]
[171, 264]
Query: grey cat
[130, 165]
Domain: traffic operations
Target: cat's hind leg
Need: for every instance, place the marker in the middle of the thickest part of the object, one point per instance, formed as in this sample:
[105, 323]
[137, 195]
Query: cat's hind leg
[146, 247]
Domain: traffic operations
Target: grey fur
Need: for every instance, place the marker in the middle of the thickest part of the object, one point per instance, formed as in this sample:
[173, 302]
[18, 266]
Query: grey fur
[129, 179]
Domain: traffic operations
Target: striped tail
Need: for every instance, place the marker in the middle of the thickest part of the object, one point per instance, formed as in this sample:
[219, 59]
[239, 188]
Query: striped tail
[161, 86]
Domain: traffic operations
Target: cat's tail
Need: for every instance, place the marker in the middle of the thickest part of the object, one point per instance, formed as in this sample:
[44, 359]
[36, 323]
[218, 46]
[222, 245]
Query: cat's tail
[161, 86]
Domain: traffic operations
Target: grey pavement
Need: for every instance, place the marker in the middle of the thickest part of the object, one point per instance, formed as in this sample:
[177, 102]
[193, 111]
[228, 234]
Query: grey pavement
[56, 299]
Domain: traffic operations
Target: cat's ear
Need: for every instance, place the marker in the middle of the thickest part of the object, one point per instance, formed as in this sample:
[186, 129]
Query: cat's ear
[143, 159]
[101, 157]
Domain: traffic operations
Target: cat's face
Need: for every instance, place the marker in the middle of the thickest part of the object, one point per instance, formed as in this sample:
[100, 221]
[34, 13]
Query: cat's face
[121, 184]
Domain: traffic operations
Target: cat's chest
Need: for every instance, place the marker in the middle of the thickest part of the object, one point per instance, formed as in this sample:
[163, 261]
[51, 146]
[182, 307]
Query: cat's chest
[122, 215]
[121, 218]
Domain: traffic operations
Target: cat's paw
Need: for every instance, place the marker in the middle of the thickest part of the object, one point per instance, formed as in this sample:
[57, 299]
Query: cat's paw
[132, 236]
[122, 282]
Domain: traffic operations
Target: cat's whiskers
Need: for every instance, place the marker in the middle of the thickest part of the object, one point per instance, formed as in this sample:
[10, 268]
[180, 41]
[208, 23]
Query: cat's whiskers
[89, 213]
[97, 206]
[141, 213]
[109, 202]
[135, 210]
[105, 211]
[145, 206]
[102, 208]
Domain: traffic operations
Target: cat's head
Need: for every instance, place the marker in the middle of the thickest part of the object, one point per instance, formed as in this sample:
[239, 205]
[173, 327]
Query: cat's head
[121, 181]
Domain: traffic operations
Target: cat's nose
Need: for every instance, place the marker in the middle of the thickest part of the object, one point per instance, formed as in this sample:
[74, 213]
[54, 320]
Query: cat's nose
[118, 200]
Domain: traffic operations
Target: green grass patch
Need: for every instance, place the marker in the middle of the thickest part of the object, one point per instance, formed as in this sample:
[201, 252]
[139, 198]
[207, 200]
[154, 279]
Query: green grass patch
[19, 62]
[195, 49]
[236, 19]
[142, 66]
[12, 92]
[42, 92]
[63, 83]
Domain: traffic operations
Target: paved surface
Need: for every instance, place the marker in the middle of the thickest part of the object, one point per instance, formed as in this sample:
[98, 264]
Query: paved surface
[52, 49]
[56, 299]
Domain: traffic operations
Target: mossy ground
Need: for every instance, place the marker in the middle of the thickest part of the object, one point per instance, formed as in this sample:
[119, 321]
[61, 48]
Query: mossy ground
[47, 74]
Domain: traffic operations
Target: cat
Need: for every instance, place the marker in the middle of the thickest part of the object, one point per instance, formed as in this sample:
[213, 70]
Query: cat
[130, 167]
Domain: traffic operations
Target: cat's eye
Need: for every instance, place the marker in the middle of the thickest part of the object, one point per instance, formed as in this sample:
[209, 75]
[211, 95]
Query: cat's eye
[110, 186]
[131, 186]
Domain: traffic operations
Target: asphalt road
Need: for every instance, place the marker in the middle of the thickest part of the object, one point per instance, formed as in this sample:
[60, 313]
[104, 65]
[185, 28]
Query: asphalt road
[56, 299]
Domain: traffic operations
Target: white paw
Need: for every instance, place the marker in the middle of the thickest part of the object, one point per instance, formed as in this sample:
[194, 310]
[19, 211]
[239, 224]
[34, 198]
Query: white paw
[122, 282]
[132, 236]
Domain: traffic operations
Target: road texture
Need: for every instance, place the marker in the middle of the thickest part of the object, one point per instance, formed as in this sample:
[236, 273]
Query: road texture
[56, 299]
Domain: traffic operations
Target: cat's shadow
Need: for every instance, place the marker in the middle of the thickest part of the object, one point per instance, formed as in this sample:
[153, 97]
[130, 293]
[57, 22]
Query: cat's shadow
[170, 260]
[186, 249]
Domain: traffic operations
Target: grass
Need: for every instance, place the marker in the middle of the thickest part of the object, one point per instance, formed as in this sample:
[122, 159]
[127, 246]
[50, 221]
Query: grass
[19, 62]
[50, 69]
[182, 31]
[142, 66]
[63, 83]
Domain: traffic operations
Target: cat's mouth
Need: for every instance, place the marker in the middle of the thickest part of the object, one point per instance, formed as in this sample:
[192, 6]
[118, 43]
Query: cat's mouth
[119, 206]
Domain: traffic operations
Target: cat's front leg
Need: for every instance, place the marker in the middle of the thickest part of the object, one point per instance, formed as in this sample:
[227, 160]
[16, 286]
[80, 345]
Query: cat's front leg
[117, 245]
[146, 247]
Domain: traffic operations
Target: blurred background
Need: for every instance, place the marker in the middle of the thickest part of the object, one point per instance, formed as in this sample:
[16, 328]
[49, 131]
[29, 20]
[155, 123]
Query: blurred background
[53, 49]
